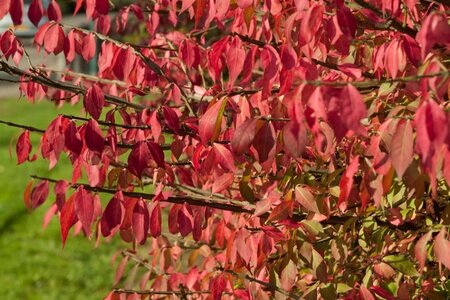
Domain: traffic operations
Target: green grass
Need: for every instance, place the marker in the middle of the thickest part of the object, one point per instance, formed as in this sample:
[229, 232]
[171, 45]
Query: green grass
[33, 263]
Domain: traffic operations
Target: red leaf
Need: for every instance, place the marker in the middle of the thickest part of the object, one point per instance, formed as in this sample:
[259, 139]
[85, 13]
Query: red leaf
[218, 286]
[157, 153]
[346, 20]
[185, 220]
[23, 147]
[199, 11]
[402, 150]
[94, 100]
[442, 248]
[84, 208]
[382, 292]
[346, 111]
[39, 194]
[93, 137]
[264, 142]
[155, 221]
[140, 221]
[243, 137]
[113, 215]
[72, 139]
[35, 12]
[88, 51]
[235, 60]
[171, 118]
[54, 39]
[224, 156]
[67, 219]
[102, 6]
[16, 11]
[139, 158]
[346, 183]
[54, 12]
[4, 8]
[210, 123]
[420, 249]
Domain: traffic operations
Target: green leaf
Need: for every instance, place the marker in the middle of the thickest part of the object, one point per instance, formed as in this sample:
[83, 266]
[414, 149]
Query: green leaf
[402, 264]
[343, 288]
[328, 291]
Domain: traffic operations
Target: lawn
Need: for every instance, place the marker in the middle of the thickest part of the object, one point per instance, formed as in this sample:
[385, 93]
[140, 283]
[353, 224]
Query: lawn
[34, 265]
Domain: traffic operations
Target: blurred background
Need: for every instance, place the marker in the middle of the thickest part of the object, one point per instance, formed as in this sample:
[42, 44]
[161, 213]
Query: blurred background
[34, 265]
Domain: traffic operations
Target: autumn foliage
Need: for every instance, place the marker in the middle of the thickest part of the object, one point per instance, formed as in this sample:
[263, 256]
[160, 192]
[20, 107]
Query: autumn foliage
[250, 149]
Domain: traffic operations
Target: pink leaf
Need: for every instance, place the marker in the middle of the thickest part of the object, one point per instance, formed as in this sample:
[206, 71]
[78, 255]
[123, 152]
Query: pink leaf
[155, 221]
[4, 8]
[420, 249]
[365, 294]
[306, 199]
[88, 51]
[288, 276]
[243, 137]
[223, 182]
[224, 157]
[402, 147]
[431, 130]
[294, 138]
[210, 123]
[54, 39]
[140, 221]
[435, 30]
[235, 60]
[84, 208]
[442, 248]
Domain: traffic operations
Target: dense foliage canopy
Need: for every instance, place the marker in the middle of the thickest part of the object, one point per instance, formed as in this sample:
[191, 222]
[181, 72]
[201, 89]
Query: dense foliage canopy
[250, 149]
